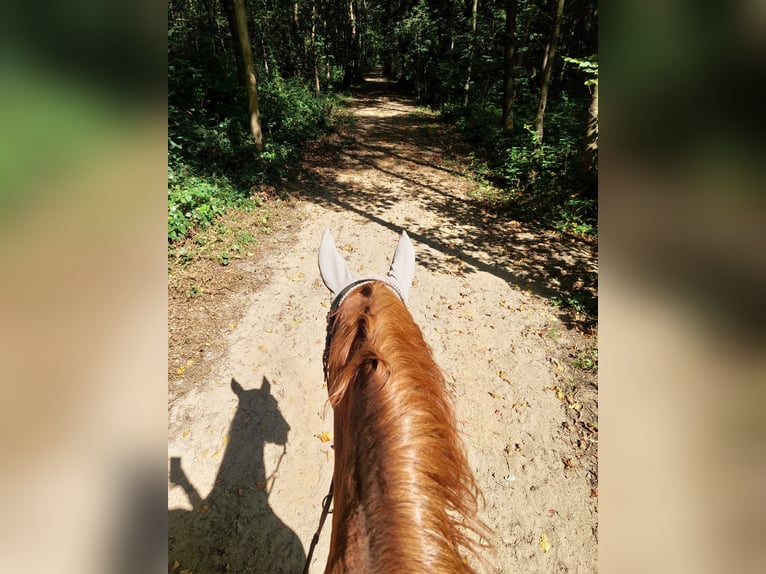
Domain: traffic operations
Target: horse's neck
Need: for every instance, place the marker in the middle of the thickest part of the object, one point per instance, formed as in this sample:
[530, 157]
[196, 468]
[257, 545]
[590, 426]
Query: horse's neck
[351, 544]
[242, 464]
[392, 419]
[368, 525]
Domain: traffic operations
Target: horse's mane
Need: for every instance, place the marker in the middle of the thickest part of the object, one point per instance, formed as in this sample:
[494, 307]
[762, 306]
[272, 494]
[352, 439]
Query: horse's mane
[404, 467]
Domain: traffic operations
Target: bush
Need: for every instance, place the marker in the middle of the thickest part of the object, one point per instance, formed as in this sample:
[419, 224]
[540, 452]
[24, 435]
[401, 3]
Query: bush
[212, 162]
[195, 202]
[537, 183]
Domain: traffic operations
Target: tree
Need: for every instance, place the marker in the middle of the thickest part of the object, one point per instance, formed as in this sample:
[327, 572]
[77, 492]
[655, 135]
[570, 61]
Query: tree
[472, 56]
[589, 150]
[509, 55]
[590, 143]
[313, 48]
[547, 70]
[238, 21]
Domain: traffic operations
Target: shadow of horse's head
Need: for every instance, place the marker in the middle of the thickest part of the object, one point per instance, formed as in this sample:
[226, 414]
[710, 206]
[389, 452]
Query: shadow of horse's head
[234, 528]
[258, 415]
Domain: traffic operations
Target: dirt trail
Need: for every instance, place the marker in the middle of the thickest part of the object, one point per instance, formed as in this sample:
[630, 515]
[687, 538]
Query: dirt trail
[248, 474]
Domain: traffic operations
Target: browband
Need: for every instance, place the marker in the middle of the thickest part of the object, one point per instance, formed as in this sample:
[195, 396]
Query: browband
[348, 289]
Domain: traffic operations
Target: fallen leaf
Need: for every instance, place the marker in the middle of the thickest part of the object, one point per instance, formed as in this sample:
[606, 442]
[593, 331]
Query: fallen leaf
[495, 395]
[324, 304]
[324, 437]
[545, 543]
[560, 395]
[185, 433]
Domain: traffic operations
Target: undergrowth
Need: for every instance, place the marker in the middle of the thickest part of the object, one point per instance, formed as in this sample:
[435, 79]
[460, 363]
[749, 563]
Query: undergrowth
[538, 184]
[213, 166]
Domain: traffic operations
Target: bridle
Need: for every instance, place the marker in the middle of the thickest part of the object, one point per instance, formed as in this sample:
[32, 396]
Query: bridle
[331, 314]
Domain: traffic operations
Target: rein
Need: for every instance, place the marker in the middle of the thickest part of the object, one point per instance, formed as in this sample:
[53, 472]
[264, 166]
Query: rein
[315, 539]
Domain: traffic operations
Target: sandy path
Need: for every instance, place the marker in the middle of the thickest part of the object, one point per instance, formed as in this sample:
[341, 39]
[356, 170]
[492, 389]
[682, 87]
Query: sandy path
[248, 473]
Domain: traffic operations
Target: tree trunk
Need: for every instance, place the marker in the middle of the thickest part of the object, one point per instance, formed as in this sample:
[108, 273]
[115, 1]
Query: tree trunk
[352, 68]
[295, 41]
[549, 59]
[511, 7]
[467, 87]
[242, 46]
[228, 8]
[314, 55]
[590, 146]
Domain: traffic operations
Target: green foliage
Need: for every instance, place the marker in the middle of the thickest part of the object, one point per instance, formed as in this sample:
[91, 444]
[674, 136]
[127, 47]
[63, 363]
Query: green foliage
[195, 202]
[208, 136]
[587, 360]
[213, 164]
[534, 183]
[588, 65]
[415, 37]
[292, 114]
[427, 45]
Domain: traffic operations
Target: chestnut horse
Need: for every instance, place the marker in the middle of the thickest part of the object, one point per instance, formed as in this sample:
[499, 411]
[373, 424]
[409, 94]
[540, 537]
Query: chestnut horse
[405, 497]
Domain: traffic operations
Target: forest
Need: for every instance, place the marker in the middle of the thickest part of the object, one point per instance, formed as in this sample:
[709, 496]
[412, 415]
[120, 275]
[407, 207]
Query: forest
[250, 84]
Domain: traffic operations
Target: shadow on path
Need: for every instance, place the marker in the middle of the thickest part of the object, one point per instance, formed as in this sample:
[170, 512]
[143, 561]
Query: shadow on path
[234, 528]
[398, 154]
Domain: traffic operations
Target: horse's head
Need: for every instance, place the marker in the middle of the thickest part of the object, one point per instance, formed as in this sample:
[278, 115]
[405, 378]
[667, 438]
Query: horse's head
[258, 408]
[341, 281]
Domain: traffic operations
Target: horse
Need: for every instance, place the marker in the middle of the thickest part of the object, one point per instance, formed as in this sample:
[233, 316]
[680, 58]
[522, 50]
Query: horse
[405, 497]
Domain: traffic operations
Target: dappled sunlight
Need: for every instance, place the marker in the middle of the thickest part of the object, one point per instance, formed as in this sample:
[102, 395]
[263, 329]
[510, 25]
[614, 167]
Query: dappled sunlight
[400, 156]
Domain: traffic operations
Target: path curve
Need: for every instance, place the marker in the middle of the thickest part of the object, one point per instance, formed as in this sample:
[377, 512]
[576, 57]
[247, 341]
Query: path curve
[247, 471]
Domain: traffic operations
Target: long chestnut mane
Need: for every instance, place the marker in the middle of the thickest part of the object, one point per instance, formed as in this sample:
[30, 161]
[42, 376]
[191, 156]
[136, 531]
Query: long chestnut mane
[405, 498]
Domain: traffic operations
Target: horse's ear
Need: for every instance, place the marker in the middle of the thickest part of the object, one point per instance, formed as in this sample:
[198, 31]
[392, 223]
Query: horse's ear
[403, 265]
[333, 268]
[236, 387]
